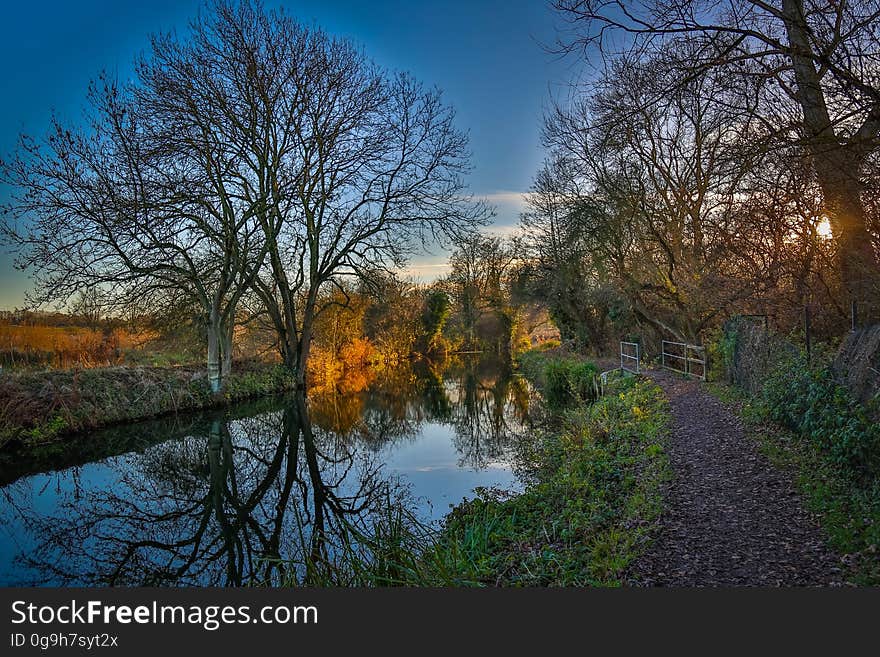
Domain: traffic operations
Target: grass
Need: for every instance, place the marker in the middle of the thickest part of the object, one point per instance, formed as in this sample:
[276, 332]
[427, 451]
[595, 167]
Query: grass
[28, 346]
[594, 497]
[41, 407]
[846, 503]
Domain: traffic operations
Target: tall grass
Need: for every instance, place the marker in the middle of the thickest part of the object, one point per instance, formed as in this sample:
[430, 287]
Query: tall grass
[37, 407]
[66, 346]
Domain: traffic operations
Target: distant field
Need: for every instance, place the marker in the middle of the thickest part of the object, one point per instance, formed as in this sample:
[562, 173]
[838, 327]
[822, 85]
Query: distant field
[66, 346]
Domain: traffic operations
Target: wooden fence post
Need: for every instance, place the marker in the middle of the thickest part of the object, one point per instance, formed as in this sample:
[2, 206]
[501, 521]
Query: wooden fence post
[807, 333]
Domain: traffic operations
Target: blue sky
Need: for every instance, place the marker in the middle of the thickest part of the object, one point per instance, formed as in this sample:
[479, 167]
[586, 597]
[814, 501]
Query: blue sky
[486, 56]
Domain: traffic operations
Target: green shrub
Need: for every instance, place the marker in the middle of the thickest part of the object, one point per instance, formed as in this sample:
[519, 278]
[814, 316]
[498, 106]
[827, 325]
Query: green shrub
[583, 379]
[531, 365]
[719, 353]
[810, 401]
[562, 380]
[558, 389]
[801, 396]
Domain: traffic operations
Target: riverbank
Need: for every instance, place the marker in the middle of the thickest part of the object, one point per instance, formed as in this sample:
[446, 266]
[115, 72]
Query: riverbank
[37, 408]
[593, 475]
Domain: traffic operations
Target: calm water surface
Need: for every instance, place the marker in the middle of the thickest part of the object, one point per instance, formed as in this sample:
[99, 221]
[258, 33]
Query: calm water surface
[238, 496]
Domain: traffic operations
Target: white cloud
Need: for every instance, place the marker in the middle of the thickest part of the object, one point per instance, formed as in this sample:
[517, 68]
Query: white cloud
[501, 230]
[423, 270]
[427, 268]
[505, 197]
[509, 205]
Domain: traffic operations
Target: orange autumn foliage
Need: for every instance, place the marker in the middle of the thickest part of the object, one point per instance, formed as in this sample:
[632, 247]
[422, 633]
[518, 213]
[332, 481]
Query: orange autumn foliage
[350, 370]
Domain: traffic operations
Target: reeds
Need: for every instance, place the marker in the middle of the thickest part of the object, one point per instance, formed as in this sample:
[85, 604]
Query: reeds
[27, 346]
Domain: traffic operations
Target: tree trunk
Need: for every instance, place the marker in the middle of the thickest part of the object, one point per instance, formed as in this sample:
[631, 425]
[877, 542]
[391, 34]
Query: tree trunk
[226, 350]
[305, 345]
[285, 331]
[214, 341]
[838, 164]
[839, 177]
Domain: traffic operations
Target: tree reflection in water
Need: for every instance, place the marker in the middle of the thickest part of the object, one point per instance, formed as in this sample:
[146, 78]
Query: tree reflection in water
[261, 498]
[490, 406]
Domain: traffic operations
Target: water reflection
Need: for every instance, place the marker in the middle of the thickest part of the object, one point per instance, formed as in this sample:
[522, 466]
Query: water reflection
[261, 492]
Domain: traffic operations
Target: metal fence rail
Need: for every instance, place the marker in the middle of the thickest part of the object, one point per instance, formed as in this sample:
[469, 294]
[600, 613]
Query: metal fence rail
[628, 360]
[689, 354]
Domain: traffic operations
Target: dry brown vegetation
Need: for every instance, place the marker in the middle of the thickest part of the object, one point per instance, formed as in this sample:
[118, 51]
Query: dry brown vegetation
[67, 346]
[38, 406]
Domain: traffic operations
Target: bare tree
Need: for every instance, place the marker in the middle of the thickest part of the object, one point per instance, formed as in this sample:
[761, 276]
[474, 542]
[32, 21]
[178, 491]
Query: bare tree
[254, 154]
[823, 56]
[642, 191]
[364, 167]
[87, 306]
[152, 195]
[575, 246]
[478, 281]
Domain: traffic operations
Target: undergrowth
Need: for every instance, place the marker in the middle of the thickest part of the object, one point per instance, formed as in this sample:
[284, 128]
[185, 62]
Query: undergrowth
[588, 512]
[808, 400]
[564, 379]
[39, 407]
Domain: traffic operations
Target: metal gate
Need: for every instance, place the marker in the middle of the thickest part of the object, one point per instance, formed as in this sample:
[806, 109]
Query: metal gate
[630, 360]
[686, 356]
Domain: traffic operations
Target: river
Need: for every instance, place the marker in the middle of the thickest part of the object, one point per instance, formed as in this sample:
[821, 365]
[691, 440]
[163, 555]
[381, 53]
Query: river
[238, 496]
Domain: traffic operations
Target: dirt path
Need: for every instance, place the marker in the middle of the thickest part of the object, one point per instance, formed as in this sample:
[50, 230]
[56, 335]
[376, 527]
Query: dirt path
[733, 518]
